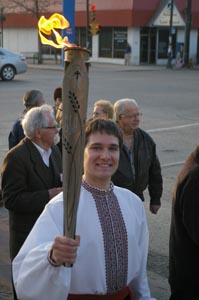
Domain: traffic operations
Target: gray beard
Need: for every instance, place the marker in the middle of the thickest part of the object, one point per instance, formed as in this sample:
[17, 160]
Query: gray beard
[56, 139]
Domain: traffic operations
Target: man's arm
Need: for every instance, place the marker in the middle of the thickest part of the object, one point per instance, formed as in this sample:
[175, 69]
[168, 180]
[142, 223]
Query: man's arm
[35, 278]
[155, 185]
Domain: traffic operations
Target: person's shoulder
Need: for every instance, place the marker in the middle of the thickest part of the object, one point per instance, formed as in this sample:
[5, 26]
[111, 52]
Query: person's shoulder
[127, 195]
[17, 122]
[17, 128]
[142, 133]
[19, 149]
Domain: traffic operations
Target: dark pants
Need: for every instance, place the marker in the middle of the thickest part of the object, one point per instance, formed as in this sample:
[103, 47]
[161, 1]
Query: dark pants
[185, 295]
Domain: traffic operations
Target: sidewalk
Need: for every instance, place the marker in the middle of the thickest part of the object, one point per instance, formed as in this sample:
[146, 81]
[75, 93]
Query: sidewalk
[59, 67]
[116, 67]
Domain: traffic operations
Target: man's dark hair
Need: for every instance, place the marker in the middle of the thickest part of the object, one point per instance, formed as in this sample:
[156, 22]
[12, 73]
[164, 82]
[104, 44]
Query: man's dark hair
[58, 93]
[103, 126]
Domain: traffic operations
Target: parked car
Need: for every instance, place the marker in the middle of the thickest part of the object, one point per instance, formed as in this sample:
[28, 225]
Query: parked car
[11, 64]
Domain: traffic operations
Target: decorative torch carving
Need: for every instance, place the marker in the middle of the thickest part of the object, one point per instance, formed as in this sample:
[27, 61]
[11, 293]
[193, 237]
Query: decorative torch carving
[75, 98]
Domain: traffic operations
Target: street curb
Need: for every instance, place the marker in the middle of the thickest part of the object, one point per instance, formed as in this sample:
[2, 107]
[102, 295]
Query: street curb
[118, 67]
[55, 67]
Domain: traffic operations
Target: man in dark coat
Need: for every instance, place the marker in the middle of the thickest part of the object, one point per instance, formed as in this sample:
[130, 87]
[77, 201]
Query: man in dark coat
[184, 232]
[139, 166]
[31, 174]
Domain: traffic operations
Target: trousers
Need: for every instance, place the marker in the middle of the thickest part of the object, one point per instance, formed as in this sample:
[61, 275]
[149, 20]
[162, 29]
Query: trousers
[124, 294]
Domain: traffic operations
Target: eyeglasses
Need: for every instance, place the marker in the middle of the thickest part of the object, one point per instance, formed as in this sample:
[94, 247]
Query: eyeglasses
[51, 127]
[134, 116]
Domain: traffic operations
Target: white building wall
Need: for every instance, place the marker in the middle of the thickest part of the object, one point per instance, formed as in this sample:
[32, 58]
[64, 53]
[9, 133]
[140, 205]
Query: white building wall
[193, 45]
[134, 41]
[21, 40]
[193, 42]
[95, 44]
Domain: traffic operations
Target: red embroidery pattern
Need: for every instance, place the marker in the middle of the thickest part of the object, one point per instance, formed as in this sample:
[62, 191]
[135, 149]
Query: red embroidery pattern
[114, 235]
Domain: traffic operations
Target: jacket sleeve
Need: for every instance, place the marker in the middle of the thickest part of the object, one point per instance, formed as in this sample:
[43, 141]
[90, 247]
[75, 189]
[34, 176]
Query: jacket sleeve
[155, 185]
[34, 277]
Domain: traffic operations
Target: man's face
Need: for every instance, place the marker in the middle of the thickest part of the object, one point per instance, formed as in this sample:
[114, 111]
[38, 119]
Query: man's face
[101, 157]
[48, 133]
[130, 120]
[99, 113]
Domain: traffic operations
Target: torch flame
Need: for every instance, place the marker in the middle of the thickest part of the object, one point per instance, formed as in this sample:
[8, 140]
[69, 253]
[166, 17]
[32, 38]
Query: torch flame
[47, 26]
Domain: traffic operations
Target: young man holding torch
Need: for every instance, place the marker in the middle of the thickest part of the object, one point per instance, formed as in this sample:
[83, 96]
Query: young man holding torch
[109, 253]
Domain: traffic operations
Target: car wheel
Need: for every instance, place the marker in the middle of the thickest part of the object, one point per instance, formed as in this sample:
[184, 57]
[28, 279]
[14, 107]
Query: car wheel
[8, 72]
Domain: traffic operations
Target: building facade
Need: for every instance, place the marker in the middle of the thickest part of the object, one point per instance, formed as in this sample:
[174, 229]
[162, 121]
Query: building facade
[144, 24]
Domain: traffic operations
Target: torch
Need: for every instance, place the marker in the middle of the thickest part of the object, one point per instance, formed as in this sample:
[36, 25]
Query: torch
[74, 98]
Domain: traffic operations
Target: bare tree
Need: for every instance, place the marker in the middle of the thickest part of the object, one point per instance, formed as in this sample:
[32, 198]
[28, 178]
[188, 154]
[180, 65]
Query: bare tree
[187, 32]
[35, 7]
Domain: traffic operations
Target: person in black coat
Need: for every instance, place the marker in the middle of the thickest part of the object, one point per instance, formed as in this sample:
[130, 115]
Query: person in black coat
[31, 174]
[184, 232]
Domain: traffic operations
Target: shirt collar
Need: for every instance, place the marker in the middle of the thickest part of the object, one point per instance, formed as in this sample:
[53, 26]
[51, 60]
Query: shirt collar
[45, 154]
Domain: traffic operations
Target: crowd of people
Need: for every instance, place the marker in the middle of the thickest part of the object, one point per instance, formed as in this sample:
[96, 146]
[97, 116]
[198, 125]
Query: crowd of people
[120, 163]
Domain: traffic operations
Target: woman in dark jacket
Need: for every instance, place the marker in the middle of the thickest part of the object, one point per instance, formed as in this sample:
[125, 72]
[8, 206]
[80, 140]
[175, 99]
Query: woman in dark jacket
[184, 232]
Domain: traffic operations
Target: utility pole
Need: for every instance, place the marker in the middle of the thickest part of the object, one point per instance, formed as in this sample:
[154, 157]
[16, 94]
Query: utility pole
[2, 19]
[87, 24]
[40, 56]
[187, 32]
[170, 43]
[68, 8]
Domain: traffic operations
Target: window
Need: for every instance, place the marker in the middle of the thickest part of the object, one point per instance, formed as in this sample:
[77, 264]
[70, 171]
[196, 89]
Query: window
[80, 38]
[120, 41]
[105, 42]
[163, 43]
[112, 42]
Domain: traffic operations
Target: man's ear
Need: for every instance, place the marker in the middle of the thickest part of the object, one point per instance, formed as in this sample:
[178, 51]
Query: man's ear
[37, 132]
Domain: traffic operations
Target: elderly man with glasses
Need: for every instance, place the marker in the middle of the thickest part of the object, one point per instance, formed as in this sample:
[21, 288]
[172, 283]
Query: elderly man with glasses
[31, 174]
[139, 166]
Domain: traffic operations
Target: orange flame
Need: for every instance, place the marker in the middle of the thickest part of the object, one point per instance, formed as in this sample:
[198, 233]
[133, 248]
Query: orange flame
[47, 26]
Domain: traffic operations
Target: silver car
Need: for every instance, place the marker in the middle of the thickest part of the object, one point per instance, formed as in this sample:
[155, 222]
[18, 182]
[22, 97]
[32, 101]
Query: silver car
[11, 64]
